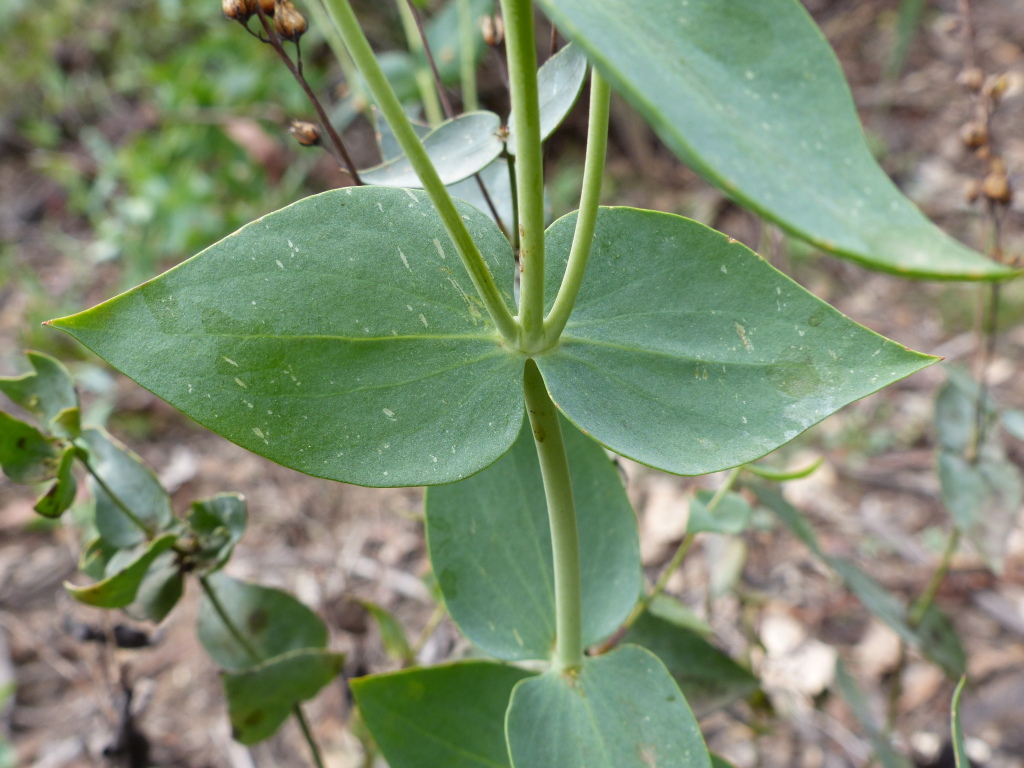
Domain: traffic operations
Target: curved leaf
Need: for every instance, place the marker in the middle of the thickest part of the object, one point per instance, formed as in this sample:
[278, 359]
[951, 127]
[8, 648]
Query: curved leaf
[490, 547]
[261, 698]
[620, 710]
[750, 95]
[451, 715]
[271, 621]
[339, 336]
[45, 392]
[688, 352]
[731, 516]
[119, 589]
[458, 148]
[218, 524]
[56, 499]
[559, 83]
[26, 454]
[957, 729]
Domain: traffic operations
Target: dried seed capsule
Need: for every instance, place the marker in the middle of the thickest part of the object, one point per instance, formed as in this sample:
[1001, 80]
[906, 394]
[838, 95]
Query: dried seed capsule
[238, 10]
[493, 30]
[289, 23]
[996, 187]
[307, 134]
[267, 6]
[973, 191]
[995, 87]
[974, 134]
[971, 78]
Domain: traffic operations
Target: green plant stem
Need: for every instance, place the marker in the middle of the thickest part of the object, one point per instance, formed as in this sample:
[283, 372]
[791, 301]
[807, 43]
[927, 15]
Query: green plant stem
[429, 96]
[586, 220]
[362, 54]
[565, 545]
[521, 46]
[467, 61]
[135, 519]
[240, 638]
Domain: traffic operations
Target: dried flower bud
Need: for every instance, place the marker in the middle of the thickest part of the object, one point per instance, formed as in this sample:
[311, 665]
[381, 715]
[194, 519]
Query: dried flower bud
[996, 188]
[266, 5]
[307, 134]
[493, 30]
[238, 10]
[973, 191]
[974, 134]
[289, 23]
[971, 78]
[995, 87]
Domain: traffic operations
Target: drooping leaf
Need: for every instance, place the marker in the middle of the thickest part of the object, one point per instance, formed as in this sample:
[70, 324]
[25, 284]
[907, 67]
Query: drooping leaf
[451, 715]
[218, 524]
[620, 710]
[957, 729]
[339, 336]
[458, 147]
[752, 98]
[160, 590]
[119, 588]
[858, 703]
[44, 392]
[94, 558]
[732, 515]
[784, 476]
[690, 353]
[559, 83]
[133, 486]
[707, 677]
[392, 633]
[261, 698]
[60, 495]
[934, 635]
[26, 454]
[490, 546]
[272, 623]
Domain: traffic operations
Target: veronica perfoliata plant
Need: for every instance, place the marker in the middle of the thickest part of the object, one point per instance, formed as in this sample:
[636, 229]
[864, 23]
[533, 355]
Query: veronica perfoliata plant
[375, 335]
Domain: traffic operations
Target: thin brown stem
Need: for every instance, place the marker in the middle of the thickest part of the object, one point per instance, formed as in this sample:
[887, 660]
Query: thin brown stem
[274, 40]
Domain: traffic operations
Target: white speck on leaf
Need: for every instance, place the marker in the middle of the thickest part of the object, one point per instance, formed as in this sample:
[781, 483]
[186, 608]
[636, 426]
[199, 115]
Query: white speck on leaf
[230, 361]
[278, 262]
[389, 413]
[725, 270]
[404, 260]
[424, 321]
[440, 250]
[240, 383]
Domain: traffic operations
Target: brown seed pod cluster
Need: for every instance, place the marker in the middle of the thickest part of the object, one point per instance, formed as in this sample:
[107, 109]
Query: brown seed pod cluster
[289, 23]
[307, 134]
[994, 186]
[493, 29]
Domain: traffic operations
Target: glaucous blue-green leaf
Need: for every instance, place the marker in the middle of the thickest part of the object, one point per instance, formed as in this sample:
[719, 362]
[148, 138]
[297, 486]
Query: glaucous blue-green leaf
[499, 188]
[451, 715]
[750, 96]
[271, 621]
[620, 710]
[858, 703]
[340, 336]
[957, 728]
[26, 454]
[387, 144]
[688, 352]
[708, 678]
[119, 588]
[60, 494]
[261, 699]
[458, 147]
[445, 41]
[218, 524]
[44, 392]
[135, 495]
[982, 489]
[490, 547]
[934, 635]
[730, 516]
[160, 590]
[559, 83]
[392, 633]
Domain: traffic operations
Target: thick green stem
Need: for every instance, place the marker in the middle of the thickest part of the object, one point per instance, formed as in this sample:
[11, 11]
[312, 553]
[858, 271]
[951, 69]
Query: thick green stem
[391, 108]
[590, 200]
[565, 545]
[424, 80]
[250, 651]
[522, 74]
[467, 59]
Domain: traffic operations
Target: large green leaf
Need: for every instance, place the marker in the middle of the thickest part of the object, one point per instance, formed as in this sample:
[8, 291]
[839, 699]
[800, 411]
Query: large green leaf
[708, 678]
[45, 392]
[133, 487]
[261, 698]
[690, 353]
[490, 546]
[26, 454]
[451, 715]
[458, 148]
[750, 95]
[620, 710]
[119, 588]
[559, 83]
[339, 336]
[270, 621]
